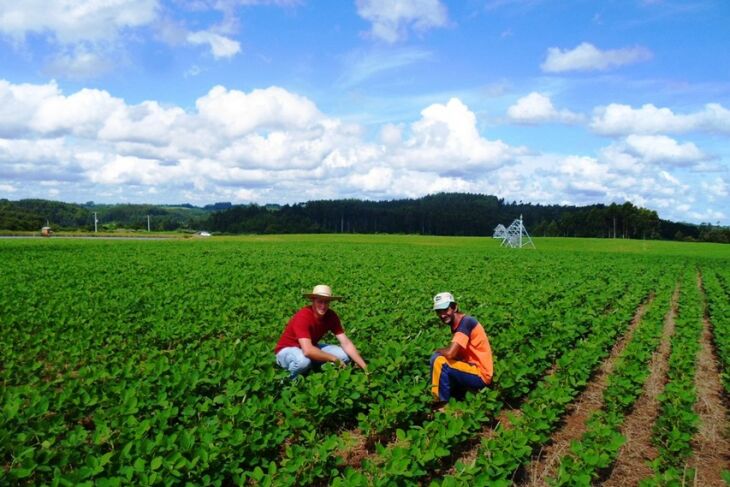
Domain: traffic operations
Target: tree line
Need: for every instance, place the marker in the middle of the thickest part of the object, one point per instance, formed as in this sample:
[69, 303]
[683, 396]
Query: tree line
[439, 214]
[32, 214]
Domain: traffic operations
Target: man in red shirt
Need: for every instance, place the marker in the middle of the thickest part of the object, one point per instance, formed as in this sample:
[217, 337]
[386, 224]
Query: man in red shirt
[299, 349]
[466, 364]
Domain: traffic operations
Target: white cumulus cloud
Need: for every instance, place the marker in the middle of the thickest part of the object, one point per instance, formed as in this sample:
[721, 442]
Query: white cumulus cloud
[75, 21]
[377, 179]
[148, 122]
[239, 113]
[391, 134]
[638, 153]
[264, 142]
[273, 145]
[587, 57]
[220, 46]
[264, 137]
[662, 149]
[82, 113]
[446, 140]
[19, 103]
[391, 19]
[579, 180]
[134, 170]
[538, 108]
[619, 119]
[717, 187]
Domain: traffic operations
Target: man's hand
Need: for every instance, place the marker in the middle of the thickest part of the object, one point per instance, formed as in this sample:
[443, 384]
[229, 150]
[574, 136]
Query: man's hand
[351, 350]
[452, 351]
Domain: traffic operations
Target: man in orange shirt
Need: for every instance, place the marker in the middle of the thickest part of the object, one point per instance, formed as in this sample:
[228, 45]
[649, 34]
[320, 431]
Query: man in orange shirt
[466, 364]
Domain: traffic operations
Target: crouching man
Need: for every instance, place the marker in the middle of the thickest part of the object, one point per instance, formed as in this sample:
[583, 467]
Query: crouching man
[466, 364]
[298, 349]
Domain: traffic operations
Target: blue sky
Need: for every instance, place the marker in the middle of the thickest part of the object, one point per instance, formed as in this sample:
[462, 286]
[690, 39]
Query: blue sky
[282, 101]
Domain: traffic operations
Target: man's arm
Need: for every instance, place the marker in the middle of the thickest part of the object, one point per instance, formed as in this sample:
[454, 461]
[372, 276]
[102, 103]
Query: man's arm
[452, 351]
[315, 353]
[351, 350]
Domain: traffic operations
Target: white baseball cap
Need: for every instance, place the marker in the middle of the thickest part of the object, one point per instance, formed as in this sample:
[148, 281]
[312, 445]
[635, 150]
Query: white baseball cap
[443, 300]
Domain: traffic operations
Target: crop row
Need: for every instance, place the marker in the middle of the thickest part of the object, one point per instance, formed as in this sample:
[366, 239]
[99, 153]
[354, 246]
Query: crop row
[395, 392]
[315, 457]
[500, 456]
[677, 421]
[718, 305]
[418, 451]
[599, 445]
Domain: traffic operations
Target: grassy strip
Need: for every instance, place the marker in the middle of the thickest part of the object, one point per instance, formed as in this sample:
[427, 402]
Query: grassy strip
[599, 445]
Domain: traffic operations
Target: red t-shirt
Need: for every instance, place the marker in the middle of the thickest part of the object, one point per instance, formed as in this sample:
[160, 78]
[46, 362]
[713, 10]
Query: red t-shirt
[306, 324]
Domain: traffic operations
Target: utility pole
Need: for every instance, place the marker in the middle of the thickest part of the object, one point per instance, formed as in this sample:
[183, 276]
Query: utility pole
[95, 222]
[148, 223]
[614, 227]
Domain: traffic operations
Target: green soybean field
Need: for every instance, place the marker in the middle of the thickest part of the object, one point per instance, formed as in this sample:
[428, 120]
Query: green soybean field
[150, 362]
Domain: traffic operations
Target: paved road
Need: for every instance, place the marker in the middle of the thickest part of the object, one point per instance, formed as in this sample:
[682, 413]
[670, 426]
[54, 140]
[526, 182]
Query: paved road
[90, 238]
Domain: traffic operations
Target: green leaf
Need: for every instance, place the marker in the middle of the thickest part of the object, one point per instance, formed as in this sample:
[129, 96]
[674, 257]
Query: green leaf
[156, 463]
[21, 473]
[139, 465]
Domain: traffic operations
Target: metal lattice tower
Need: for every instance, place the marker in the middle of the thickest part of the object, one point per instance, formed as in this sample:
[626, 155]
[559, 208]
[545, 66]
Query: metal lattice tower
[514, 236]
[500, 232]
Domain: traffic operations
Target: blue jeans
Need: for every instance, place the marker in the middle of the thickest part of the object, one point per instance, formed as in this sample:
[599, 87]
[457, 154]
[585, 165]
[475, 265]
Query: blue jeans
[293, 359]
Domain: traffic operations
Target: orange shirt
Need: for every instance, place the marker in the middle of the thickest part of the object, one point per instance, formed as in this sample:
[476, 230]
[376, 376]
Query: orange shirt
[470, 336]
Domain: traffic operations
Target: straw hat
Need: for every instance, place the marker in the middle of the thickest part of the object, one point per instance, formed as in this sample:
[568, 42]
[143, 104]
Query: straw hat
[322, 291]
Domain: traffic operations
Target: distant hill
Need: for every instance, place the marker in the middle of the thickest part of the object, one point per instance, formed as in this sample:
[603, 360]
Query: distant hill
[439, 214]
[161, 217]
[31, 214]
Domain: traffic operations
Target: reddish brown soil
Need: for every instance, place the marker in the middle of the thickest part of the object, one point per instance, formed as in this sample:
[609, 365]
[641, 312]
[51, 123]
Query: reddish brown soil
[356, 450]
[590, 400]
[506, 416]
[632, 463]
[503, 420]
[711, 444]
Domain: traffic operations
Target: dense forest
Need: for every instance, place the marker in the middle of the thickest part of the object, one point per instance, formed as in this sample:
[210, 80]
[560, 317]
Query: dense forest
[439, 214]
